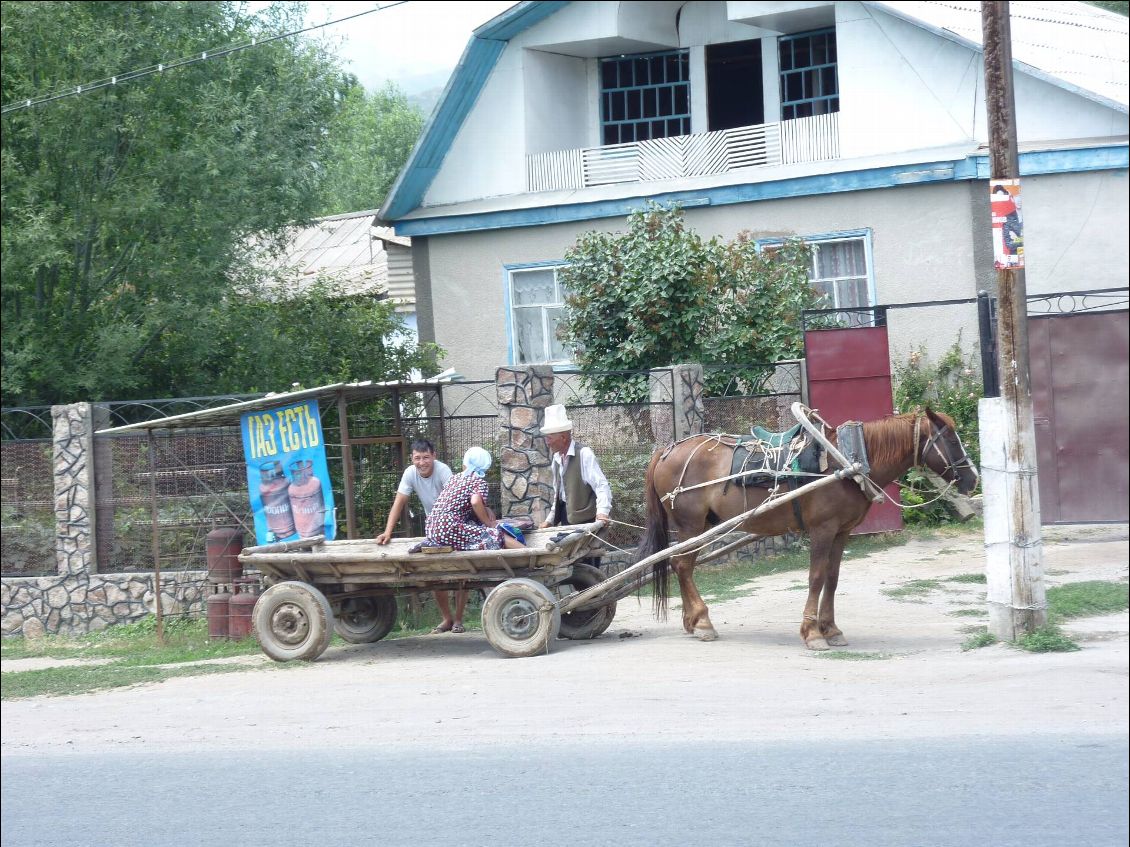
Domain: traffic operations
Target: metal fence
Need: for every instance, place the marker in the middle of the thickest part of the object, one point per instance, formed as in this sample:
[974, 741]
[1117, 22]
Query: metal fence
[199, 477]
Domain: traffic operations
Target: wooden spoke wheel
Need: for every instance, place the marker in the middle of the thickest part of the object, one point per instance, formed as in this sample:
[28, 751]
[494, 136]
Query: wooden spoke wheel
[363, 620]
[292, 620]
[520, 618]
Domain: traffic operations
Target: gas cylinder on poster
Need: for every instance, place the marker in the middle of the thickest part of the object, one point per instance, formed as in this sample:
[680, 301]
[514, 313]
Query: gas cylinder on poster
[219, 606]
[307, 503]
[240, 608]
[222, 547]
[274, 492]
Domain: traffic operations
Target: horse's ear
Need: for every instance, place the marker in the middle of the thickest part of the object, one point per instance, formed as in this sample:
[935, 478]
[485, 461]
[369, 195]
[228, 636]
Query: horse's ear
[935, 418]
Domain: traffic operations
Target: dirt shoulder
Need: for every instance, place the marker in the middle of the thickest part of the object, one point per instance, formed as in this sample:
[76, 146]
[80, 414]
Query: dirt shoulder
[904, 675]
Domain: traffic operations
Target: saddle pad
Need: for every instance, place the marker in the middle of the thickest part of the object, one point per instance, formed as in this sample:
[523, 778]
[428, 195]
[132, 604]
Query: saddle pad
[775, 439]
[765, 464]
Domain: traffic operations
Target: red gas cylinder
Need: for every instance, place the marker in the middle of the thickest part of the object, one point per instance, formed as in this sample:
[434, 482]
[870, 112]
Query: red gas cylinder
[239, 610]
[218, 610]
[222, 547]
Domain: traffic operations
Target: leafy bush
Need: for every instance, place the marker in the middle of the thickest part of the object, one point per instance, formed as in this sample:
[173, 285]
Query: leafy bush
[659, 294]
[953, 386]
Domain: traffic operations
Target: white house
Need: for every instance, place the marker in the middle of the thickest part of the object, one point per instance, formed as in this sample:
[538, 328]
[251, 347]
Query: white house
[859, 126]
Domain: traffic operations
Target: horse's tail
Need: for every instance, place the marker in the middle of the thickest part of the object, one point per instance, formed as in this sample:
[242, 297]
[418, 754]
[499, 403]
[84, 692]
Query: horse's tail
[655, 539]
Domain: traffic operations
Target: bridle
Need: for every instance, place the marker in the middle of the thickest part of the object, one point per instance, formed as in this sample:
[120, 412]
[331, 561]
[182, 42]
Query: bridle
[937, 442]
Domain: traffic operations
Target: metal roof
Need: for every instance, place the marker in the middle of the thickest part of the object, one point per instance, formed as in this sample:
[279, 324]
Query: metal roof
[1076, 46]
[348, 249]
[230, 414]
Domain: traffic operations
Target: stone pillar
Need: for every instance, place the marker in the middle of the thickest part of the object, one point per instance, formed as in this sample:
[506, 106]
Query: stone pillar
[73, 434]
[687, 415]
[527, 482]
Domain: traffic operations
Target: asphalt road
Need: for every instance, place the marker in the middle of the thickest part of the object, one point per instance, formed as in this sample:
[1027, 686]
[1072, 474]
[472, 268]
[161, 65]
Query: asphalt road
[1050, 790]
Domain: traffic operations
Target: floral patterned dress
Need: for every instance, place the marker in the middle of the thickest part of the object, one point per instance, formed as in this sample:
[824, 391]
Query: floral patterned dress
[452, 521]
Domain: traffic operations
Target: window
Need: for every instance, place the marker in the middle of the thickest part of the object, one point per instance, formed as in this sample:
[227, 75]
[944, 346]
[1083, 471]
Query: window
[644, 97]
[809, 85]
[839, 272]
[536, 299]
[840, 269]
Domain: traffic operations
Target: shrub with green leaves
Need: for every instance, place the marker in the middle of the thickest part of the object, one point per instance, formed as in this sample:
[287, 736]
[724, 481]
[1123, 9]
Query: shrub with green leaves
[952, 385]
[660, 294]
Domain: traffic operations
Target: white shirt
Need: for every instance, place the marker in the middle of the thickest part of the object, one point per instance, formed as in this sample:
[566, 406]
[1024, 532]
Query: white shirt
[591, 475]
[427, 488]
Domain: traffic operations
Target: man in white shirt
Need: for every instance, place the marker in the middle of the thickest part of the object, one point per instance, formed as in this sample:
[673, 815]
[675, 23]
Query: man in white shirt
[581, 491]
[426, 478]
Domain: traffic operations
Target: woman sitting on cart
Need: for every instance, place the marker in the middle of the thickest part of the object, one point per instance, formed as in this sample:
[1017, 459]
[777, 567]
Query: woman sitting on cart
[460, 517]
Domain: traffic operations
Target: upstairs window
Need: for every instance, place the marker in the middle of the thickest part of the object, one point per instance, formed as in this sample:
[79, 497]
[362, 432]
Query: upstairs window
[536, 305]
[643, 97]
[809, 85]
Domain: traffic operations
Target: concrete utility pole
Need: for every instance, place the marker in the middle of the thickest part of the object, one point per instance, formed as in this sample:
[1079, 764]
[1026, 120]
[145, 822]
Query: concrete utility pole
[1013, 545]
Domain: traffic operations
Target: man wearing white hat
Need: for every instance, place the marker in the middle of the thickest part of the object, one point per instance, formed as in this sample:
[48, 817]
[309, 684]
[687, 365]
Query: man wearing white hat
[581, 491]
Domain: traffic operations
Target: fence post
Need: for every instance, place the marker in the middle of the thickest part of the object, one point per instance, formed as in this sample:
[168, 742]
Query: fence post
[524, 462]
[73, 476]
[688, 413]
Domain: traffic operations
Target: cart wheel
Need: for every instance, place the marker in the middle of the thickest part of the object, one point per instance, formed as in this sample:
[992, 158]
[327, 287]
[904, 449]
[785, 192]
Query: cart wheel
[292, 620]
[520, 618]
[363, 620]
[588, 623]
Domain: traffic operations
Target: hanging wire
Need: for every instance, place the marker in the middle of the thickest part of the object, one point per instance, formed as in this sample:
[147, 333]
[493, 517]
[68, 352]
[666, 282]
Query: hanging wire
[161, 67]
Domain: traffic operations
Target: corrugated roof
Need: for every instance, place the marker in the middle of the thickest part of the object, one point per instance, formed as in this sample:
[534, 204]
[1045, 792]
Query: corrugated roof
[348, 249]
[1074, 45]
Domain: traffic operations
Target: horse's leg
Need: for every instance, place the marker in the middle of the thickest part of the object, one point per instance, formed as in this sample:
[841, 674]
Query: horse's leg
[827, 614]
[696, 619]
[822, 542]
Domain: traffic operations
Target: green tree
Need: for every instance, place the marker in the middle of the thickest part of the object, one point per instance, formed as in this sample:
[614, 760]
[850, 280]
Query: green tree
[124, 209]
[369, 142]
[659, 294]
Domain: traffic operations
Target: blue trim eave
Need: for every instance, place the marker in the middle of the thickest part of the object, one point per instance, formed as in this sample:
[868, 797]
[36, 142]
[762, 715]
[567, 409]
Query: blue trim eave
[463, 89]
[959, 170]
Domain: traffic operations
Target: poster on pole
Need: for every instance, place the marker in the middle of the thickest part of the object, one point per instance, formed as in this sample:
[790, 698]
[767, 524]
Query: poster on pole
[1008, 225]
[287, 477]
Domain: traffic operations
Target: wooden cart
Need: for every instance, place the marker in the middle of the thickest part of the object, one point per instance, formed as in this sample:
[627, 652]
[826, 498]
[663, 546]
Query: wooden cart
[318, 587]
[536, 593]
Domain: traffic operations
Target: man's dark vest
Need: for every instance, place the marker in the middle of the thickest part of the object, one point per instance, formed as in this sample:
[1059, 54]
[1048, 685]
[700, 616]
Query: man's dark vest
[580, 505]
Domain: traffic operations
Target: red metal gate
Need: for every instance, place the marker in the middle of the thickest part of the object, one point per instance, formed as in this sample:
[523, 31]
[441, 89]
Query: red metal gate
[1079, 374]
[849, 378]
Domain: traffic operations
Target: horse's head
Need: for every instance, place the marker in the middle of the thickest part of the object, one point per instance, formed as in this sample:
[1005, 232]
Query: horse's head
[940, 449]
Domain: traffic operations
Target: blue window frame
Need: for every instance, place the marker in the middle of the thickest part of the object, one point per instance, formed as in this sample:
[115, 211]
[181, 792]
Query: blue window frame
[841, 267]
[646, 96]
[809, 84]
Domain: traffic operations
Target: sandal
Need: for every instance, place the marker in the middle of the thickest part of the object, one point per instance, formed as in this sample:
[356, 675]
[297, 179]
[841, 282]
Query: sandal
[444, 628]
[457, 628]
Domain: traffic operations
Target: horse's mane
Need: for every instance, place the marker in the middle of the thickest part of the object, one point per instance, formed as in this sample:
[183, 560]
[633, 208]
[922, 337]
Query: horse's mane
[889, 439]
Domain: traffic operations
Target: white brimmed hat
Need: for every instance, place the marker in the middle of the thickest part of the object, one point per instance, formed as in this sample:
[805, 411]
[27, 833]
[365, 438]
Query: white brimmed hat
[556, 420]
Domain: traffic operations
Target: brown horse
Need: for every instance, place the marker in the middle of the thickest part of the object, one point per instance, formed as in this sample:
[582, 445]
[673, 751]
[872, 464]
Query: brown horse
[827, 515]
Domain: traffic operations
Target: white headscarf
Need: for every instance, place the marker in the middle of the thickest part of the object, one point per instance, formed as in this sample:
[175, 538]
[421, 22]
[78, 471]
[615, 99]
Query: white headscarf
[477, 460]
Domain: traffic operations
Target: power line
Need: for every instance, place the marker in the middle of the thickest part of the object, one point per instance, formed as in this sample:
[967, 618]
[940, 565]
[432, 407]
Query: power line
[161, 67]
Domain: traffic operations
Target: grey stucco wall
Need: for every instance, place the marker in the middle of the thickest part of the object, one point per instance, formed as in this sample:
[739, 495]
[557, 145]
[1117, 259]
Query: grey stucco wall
[929, 242]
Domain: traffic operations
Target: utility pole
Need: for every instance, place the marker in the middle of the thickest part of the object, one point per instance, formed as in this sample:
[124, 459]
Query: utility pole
[1013, 543]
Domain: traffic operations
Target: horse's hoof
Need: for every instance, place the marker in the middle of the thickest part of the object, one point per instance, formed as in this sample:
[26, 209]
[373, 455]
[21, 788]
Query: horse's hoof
[837, 640]
[816, 644]
[706, 634]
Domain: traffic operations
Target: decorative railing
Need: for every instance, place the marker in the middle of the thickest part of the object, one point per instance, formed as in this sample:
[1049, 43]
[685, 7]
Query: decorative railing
[815, 139]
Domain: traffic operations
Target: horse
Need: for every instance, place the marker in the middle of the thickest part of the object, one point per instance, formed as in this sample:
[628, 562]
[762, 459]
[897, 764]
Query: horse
[686, 489]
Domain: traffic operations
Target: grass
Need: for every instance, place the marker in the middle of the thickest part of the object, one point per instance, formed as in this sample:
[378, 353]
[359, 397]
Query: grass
[1065, 602]
[850, 656]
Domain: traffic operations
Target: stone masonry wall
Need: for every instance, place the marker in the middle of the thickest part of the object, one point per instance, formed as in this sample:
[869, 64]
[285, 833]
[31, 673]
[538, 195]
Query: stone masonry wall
[77, 599]
[527, 481]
